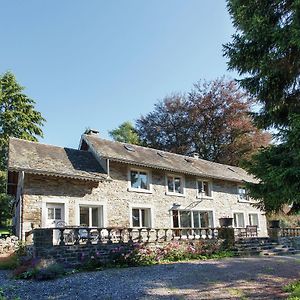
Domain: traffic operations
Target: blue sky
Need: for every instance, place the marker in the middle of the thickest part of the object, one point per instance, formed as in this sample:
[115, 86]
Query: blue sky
[98, 63]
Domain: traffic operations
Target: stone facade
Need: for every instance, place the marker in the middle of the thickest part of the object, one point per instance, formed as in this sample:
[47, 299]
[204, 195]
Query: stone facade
[116, 200]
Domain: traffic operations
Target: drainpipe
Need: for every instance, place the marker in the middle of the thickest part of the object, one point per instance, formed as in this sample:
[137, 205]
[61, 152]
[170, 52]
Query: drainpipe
[107, 168]
[22, 174]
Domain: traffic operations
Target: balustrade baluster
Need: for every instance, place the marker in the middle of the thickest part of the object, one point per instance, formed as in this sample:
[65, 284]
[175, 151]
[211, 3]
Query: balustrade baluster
[99, 231]
[148, 234]
[166, 234]
[173, 234]
[130, 235]
[157, 235]
[61, 237]
[121, 239]
[207, 233]
[76, 236]
[140, 238]
[88, 242]
[109, 241]
[180, 234]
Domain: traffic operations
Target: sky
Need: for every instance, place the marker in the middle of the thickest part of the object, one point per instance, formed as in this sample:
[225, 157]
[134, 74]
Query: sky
[95, 64]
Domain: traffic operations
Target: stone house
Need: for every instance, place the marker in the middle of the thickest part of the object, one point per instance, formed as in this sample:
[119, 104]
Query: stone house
[112, 184]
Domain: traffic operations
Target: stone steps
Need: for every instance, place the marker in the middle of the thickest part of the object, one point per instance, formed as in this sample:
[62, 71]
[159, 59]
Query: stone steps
[262, 247]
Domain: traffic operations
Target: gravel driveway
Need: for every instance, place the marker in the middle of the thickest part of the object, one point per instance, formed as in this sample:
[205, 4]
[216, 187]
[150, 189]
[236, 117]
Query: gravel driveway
[231, 278]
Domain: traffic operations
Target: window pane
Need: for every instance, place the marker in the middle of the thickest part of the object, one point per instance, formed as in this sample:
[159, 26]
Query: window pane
[239, 220]
[175, 219]
[253, 219]
[58, 213]
[196, 217]
[204, 218]
[134, 177]
[170, 184]
[242, 193]
[206, 188]
[144, 180]
[185, 219]
[84, 216]
[135, 218]
[177, 183]
[199, 187]
[50, 213]
[144, 218]
[95, 217]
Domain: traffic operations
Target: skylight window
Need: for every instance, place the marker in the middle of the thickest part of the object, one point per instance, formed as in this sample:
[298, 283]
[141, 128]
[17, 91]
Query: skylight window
[231, 170]
[129, 148]
[161, 154]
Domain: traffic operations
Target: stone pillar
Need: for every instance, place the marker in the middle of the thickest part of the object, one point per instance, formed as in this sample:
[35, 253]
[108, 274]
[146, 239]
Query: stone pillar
[274, 234]
[227, 234]
[43, 237]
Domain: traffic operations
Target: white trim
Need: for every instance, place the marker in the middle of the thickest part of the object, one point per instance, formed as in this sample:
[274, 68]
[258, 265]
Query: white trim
[210, 189]
[90, 203]
[139, 190]
[142, 206]
[45, 201]
[182, 184]
[253, 213]
[192, 217]
[239, 212]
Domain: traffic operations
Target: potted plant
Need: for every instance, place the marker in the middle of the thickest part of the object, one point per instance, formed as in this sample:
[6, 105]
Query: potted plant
[225, 221]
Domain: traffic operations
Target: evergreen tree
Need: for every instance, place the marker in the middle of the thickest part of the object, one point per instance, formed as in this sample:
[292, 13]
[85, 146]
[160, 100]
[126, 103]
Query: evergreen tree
[125, 133]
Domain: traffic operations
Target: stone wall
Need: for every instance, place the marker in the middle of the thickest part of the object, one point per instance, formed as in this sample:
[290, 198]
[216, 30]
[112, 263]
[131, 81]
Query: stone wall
[8, 245]
[74, 255]
[117, 201]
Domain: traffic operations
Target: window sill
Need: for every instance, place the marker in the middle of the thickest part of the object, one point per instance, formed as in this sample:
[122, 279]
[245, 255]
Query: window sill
[204, 197]
[175, 194]
[139, 191]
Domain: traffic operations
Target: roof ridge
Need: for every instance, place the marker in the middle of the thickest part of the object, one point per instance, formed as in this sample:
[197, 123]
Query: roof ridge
[44, 144]
[170, 153]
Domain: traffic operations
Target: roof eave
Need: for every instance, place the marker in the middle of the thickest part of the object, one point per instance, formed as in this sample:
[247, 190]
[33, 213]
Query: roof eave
[54, 174]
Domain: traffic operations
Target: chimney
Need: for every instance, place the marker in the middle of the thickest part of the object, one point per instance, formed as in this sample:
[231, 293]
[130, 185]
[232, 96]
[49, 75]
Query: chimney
[195, 155]
[91, 132]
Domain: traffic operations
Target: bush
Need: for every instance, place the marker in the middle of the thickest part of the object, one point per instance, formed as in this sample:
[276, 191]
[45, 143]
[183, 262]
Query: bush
[294, 289]
[39, 269]
[9, 263]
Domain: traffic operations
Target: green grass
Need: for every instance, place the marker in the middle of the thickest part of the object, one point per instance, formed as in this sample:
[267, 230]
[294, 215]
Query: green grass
[294, 290]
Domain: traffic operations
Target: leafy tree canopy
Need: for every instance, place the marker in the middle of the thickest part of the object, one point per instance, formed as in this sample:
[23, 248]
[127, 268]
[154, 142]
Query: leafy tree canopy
[125, 133]
[212, 120]
[277, 168]
[266, 50]
[18, 118]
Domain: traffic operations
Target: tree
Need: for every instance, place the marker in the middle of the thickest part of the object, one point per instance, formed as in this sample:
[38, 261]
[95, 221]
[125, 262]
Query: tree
[125, 133]
[277, 168]
[212, 120]
[266, 50]
[18, 118]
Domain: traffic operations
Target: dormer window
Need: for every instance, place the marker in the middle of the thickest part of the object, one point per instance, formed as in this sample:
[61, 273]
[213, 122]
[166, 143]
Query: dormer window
[242, 194]
[204, 189]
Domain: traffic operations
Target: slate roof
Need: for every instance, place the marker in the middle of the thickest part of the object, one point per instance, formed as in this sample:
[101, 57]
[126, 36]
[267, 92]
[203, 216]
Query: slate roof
[148, 157]
[37, 158]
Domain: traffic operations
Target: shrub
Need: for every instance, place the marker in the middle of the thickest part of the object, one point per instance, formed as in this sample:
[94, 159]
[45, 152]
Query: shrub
[40, 269]
[9, 263]
[294, 289]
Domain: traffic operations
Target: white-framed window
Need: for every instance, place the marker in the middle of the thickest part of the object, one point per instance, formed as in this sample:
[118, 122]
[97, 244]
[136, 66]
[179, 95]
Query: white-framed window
[204, 188]
[239, 220]
[175, 185]
[90, 216]
[253, 219]
[54, 213]
[242, 194]
[141, 217]
[139, 180]
[192, 218]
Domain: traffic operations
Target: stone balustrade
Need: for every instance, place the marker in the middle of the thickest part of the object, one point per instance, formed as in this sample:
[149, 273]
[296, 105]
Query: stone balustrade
[290, 231]
[68, 235]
